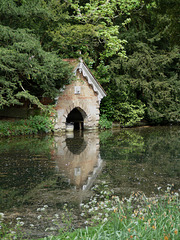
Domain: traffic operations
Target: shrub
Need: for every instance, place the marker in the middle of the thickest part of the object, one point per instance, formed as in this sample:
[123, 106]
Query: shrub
[33, 125]
[104, 123]
[41, 123]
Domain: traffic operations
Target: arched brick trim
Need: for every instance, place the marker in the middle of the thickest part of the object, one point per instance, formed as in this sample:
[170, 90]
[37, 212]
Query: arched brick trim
[83, 110]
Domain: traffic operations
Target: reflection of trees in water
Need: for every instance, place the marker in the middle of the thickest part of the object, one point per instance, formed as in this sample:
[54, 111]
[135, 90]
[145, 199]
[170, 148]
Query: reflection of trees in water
[154, 144]
[27, 144]
[72, 168]
[120, 142]
[140, 158]
[25, 163]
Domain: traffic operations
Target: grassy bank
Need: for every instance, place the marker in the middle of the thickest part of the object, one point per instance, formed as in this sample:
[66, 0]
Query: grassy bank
[33, 125]
[107, 217]
[138, 217]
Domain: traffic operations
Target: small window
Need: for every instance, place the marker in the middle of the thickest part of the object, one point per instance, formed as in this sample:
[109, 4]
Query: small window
[77, 171]
[77, 89]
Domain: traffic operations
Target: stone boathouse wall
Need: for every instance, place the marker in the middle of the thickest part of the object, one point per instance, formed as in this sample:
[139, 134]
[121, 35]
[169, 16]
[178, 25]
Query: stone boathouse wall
[81, 96]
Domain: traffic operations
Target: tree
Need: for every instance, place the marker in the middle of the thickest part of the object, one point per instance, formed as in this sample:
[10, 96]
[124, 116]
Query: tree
[89, 28]
[150, 74]
[170, 12]
[26, 70]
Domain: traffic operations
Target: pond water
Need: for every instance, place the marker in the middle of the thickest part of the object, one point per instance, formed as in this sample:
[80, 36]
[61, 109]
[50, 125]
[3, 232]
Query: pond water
[52, 171]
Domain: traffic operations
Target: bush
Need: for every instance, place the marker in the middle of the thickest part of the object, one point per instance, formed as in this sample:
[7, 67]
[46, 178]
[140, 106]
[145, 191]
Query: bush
[41, 123]
[104, 123]
[33, 125]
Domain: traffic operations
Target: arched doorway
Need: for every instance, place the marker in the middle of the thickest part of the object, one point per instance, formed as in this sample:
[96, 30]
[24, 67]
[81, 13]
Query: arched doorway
[76, 145]
[75, 118]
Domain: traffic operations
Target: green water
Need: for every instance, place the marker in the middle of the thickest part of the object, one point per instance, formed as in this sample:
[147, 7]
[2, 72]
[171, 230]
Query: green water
[54, 170]
[142, 159]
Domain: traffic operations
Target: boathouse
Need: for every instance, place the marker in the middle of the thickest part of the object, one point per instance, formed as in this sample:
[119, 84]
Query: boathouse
[78, 103]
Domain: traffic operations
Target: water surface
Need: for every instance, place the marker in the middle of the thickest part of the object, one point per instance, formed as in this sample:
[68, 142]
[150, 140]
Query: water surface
[141, 159]
[55, 170]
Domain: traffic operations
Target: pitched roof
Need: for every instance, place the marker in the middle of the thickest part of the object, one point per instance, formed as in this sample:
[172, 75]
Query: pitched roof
[79, 65]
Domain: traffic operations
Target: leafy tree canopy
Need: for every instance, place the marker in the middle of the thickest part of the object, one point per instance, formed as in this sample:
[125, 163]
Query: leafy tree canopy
[150, 74]
[26, 70]
[132, 47]
[170, 10]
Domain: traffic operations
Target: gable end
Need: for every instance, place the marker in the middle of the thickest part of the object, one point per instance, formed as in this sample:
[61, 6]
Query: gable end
[91, 79]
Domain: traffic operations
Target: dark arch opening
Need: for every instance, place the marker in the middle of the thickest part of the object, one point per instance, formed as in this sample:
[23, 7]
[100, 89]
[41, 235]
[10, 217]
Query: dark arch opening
[75, 117]
[77, 144]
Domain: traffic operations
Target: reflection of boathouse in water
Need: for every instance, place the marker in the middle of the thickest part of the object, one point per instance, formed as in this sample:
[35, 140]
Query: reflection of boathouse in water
[78, 158]
[78, 104]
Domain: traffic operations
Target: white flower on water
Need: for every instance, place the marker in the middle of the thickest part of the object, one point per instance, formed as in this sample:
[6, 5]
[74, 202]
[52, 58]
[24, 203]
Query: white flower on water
[90, 210]
[21, 223]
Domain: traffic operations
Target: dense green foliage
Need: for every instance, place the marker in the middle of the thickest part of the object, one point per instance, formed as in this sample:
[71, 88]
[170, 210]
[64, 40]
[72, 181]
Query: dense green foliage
[146, 84]
[26, 70]
[104, 123]
[33, 125]
[131, 46]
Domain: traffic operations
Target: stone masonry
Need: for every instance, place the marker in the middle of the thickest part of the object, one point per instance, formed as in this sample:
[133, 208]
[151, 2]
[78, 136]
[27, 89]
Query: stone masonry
[79, 101]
